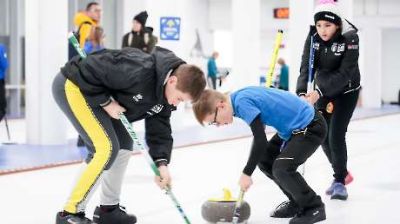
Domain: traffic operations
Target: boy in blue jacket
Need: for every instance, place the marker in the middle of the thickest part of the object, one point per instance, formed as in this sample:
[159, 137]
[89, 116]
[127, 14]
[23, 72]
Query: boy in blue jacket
[300, 131]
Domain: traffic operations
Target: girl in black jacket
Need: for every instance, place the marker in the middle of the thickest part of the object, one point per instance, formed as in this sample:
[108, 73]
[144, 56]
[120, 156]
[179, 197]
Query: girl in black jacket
[336, 85]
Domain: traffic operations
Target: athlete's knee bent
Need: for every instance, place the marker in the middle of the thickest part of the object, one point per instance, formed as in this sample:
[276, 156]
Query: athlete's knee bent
[266, 169]
[107, 155]
[112, 156]
[282, 169]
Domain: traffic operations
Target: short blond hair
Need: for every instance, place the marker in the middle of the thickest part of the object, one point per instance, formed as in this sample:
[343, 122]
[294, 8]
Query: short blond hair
[207, 104]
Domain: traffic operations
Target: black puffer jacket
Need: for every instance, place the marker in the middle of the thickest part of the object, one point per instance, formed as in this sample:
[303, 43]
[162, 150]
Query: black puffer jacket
[336, 68]
[136, 80]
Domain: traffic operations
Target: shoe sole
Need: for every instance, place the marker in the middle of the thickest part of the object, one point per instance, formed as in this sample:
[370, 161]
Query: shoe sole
[281, 217]
[321, 219]
[313, 221]
[339, 197]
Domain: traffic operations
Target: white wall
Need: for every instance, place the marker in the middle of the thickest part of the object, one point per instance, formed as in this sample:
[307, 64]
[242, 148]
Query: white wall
[46, 52]
[246, 43]
[220, 14]
[374, 19]
[223, 44]
[390, 64]
[376, 7]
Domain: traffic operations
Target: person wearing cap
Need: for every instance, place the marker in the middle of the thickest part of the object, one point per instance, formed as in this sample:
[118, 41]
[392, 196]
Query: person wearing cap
[140, 37]
[336, 85]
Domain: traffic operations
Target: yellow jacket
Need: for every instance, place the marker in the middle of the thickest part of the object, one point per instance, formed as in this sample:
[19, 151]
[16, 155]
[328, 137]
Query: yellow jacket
[79, 20]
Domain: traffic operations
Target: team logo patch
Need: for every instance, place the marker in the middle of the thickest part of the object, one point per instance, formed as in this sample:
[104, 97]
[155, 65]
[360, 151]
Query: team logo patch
[316, 46]
[334, 47]
[352, 46]
[337, 48]
[155, 109]
[329, 16]
[137, 97]
[341, 48]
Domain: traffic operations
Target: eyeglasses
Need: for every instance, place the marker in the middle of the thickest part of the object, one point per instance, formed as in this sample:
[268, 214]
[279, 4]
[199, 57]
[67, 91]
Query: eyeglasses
[214, 122]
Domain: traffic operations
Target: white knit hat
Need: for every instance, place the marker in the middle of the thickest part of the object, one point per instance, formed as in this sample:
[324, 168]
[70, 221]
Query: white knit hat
[327, 10]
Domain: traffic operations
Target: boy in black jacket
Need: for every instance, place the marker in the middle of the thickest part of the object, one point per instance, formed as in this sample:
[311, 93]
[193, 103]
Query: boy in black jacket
[93, 91]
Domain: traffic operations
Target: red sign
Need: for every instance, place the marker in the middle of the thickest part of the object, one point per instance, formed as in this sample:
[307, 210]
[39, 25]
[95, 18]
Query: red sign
[281, 13]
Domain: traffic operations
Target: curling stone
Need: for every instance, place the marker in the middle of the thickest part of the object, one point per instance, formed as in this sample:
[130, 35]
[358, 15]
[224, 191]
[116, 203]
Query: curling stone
[220, 210]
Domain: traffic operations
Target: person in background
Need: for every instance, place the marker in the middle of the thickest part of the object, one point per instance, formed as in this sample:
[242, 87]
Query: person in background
[95, 41]
[212, 69]
[140, 37]
[283, 75]
[337, 85]
[85, 21]
[3, 69]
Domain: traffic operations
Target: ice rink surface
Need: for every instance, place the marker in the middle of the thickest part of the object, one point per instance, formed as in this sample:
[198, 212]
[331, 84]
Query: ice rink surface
[200, 172]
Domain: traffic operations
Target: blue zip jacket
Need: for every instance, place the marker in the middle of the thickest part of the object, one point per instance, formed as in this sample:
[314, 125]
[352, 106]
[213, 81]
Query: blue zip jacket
[3, 61]
[90, 48]
[277, 108]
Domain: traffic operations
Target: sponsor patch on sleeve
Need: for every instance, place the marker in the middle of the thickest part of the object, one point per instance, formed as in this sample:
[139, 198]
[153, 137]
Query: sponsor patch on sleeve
[352, 46]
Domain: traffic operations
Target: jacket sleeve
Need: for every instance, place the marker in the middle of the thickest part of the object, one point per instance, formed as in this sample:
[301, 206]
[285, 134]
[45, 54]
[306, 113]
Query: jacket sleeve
[214, 67]
[259, 145]
[152, 43]
[159, 135]
[301, 87]
[84, 33]
[125, 40]
[334, 82]
[3, 59]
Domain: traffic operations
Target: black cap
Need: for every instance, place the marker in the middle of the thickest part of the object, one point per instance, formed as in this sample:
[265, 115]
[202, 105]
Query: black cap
[141, 18]
[328, 16]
